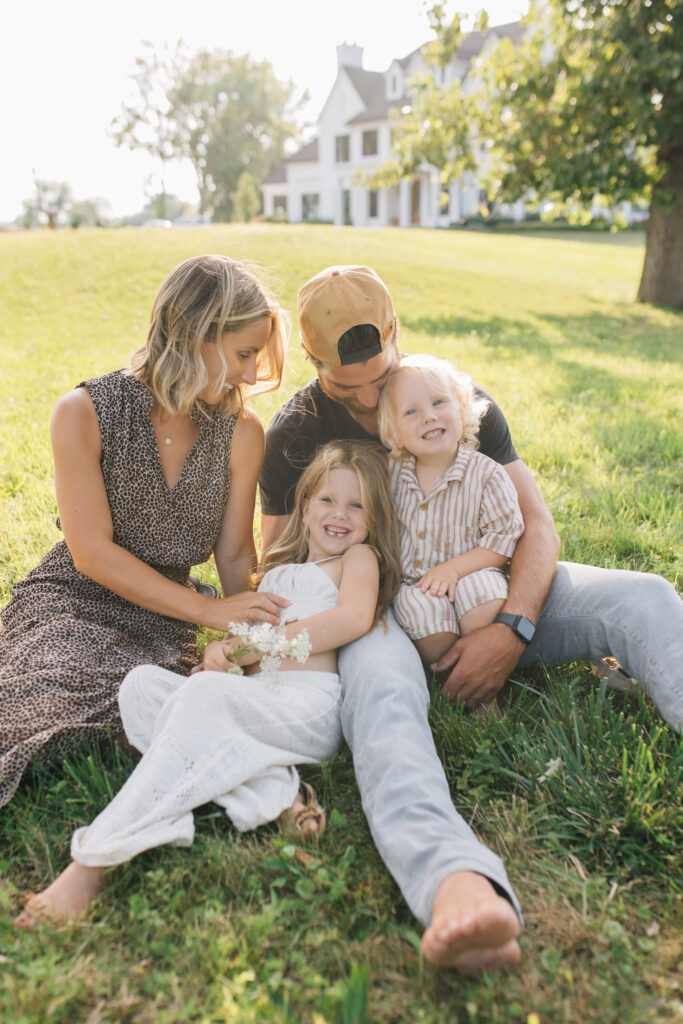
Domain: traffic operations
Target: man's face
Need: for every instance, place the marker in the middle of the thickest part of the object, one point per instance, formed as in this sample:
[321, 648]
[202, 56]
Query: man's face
[358, 385]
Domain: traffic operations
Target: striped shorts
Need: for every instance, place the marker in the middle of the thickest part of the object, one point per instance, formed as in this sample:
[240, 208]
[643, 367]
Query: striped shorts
[422, 615]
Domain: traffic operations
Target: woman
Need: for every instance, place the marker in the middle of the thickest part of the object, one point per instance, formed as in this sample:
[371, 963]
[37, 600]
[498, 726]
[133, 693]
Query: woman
[155, 469]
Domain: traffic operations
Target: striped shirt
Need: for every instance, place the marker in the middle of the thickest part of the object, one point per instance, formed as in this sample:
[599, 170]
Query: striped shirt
[472, 504]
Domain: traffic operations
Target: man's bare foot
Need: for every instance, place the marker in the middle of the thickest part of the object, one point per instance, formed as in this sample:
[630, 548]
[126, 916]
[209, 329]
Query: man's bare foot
[473, 928]
[65, 900]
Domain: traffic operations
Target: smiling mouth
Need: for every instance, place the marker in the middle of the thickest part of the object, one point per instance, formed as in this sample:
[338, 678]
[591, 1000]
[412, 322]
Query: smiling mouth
[336, 531]
[431, 434]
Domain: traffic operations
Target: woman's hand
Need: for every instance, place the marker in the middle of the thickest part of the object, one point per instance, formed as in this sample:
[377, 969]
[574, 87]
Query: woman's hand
[249, 606]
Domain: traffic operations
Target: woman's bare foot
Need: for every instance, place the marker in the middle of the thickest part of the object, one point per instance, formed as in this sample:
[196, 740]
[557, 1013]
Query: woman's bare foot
[473, 928]
[65, 900]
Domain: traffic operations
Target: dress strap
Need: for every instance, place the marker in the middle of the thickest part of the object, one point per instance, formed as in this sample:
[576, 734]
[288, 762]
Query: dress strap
[328, 558]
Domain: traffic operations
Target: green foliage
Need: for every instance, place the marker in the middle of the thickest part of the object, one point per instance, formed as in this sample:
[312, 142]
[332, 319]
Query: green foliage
[49, 206]
[248, 928]
[225, 113]
[590, 103]
[587, 109]
[233, 115]
[246, 202]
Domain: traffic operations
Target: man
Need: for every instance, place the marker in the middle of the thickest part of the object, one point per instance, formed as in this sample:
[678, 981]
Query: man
[553, 613]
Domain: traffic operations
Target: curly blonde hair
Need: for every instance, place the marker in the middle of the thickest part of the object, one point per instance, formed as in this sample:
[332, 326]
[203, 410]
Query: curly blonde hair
[442, 376]
[369, 462]
[202, 299]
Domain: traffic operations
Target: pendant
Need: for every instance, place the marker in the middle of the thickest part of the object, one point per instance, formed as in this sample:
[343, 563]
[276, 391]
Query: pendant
[167, 440]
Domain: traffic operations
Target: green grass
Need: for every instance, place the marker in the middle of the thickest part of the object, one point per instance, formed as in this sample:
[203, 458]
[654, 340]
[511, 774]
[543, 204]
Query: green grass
[578, 789]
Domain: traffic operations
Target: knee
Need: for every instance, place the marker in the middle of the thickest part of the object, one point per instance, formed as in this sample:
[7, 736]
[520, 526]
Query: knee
[132, 686]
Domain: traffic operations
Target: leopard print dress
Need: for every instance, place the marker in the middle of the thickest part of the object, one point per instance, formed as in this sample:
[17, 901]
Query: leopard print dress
[67, 642]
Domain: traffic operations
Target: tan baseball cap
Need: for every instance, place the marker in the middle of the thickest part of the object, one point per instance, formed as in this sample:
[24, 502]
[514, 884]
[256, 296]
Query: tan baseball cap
[337, 299]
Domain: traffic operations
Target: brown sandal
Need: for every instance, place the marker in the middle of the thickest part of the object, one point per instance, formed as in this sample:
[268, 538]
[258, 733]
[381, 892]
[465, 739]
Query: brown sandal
[294, 822]
[611, 671]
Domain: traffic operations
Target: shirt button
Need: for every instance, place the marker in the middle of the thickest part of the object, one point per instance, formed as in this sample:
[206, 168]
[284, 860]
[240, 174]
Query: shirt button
[420, 535]
[423, 506]
[417, 563]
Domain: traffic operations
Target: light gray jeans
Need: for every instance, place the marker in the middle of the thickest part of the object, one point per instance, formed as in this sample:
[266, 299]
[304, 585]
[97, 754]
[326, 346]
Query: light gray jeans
[589, 613]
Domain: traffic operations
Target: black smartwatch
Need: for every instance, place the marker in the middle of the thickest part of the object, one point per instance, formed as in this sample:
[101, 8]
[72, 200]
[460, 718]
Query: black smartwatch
[519, 624]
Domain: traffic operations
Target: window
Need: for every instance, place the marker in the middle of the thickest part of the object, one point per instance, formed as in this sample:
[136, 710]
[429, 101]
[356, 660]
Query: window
[346, 206]
[342, 149]
[280, 207]
[310, 202]
[370, 142]
[372, 203]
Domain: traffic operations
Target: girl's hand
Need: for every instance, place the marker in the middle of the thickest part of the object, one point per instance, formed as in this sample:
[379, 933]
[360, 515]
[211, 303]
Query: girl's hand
[218, 656]
[439, 581]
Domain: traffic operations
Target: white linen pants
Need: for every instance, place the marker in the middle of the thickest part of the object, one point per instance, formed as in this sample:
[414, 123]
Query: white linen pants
[212, 736]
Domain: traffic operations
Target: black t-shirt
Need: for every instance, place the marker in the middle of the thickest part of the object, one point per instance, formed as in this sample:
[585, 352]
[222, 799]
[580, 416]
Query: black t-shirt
[311, 418]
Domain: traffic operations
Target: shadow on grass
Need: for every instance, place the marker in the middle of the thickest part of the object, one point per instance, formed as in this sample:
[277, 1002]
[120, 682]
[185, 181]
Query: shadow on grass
[633, 334]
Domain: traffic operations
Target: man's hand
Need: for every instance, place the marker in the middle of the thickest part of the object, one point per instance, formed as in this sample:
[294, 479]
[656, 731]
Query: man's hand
[480, 663]
[440, 581]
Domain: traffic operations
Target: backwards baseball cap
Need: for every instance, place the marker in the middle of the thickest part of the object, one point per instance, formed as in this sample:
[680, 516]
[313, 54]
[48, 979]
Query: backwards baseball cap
[333, 302]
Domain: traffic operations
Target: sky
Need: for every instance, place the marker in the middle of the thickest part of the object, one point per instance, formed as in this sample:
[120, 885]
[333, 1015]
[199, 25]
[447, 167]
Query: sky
[65, 72]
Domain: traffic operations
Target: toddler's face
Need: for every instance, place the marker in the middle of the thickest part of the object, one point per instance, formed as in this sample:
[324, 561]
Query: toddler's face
[427, 418]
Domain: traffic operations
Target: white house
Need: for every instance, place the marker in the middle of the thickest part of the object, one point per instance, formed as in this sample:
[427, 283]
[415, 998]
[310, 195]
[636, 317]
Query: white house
[354, 134]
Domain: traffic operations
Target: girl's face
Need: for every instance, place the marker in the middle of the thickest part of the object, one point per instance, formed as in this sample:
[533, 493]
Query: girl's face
[334, 515]
[427, 418]
[240, 349]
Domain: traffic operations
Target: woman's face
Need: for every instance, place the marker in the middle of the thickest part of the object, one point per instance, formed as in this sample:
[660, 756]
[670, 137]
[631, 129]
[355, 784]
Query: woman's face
[240, 349]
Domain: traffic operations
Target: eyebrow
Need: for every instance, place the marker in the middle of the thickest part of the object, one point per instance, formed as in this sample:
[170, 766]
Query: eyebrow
[352, 387]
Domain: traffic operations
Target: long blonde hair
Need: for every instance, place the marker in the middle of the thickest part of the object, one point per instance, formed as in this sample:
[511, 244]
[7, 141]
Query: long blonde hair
[369, 462]
[202, 299]
[441, 375]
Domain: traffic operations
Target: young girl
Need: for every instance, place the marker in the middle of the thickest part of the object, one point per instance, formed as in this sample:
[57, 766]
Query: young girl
[458, 510]
[236, 739]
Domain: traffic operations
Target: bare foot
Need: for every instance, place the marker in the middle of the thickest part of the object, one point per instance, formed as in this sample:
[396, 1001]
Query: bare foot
[65, 900]
[473, 928]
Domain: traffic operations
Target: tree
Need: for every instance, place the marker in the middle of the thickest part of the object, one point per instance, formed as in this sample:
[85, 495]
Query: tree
[93, 213]
[593, 105]
[246, 201]
[48, 206]
[589, 106]
[148, 122]
[233, 115]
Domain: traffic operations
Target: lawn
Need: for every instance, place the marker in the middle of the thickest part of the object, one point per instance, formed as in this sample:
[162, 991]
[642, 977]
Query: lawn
[241, 929]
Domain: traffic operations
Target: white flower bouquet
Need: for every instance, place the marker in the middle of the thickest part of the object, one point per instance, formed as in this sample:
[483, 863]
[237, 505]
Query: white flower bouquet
[270, 643]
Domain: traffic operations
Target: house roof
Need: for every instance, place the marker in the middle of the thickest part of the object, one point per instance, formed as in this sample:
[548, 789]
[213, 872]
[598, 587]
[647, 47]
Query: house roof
[307, 154]
[370, 87]
[473, 41]
[277, 176]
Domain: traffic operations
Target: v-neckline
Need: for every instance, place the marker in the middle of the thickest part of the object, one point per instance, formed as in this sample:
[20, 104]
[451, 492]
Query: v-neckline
[186, 460]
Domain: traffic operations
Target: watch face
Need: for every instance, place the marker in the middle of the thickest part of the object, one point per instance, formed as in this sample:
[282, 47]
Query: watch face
[525, 629]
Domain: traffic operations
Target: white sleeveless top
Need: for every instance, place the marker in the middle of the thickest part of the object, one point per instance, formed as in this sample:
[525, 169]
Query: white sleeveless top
[306, 585]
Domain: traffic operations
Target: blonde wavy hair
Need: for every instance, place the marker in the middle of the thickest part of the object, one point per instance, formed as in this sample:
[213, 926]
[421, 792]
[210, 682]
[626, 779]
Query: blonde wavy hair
[369, 462]
[443, 377]
[202, 299]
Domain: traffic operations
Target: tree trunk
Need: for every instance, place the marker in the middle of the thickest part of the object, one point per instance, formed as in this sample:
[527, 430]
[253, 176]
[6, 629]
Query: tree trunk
[662, 279]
